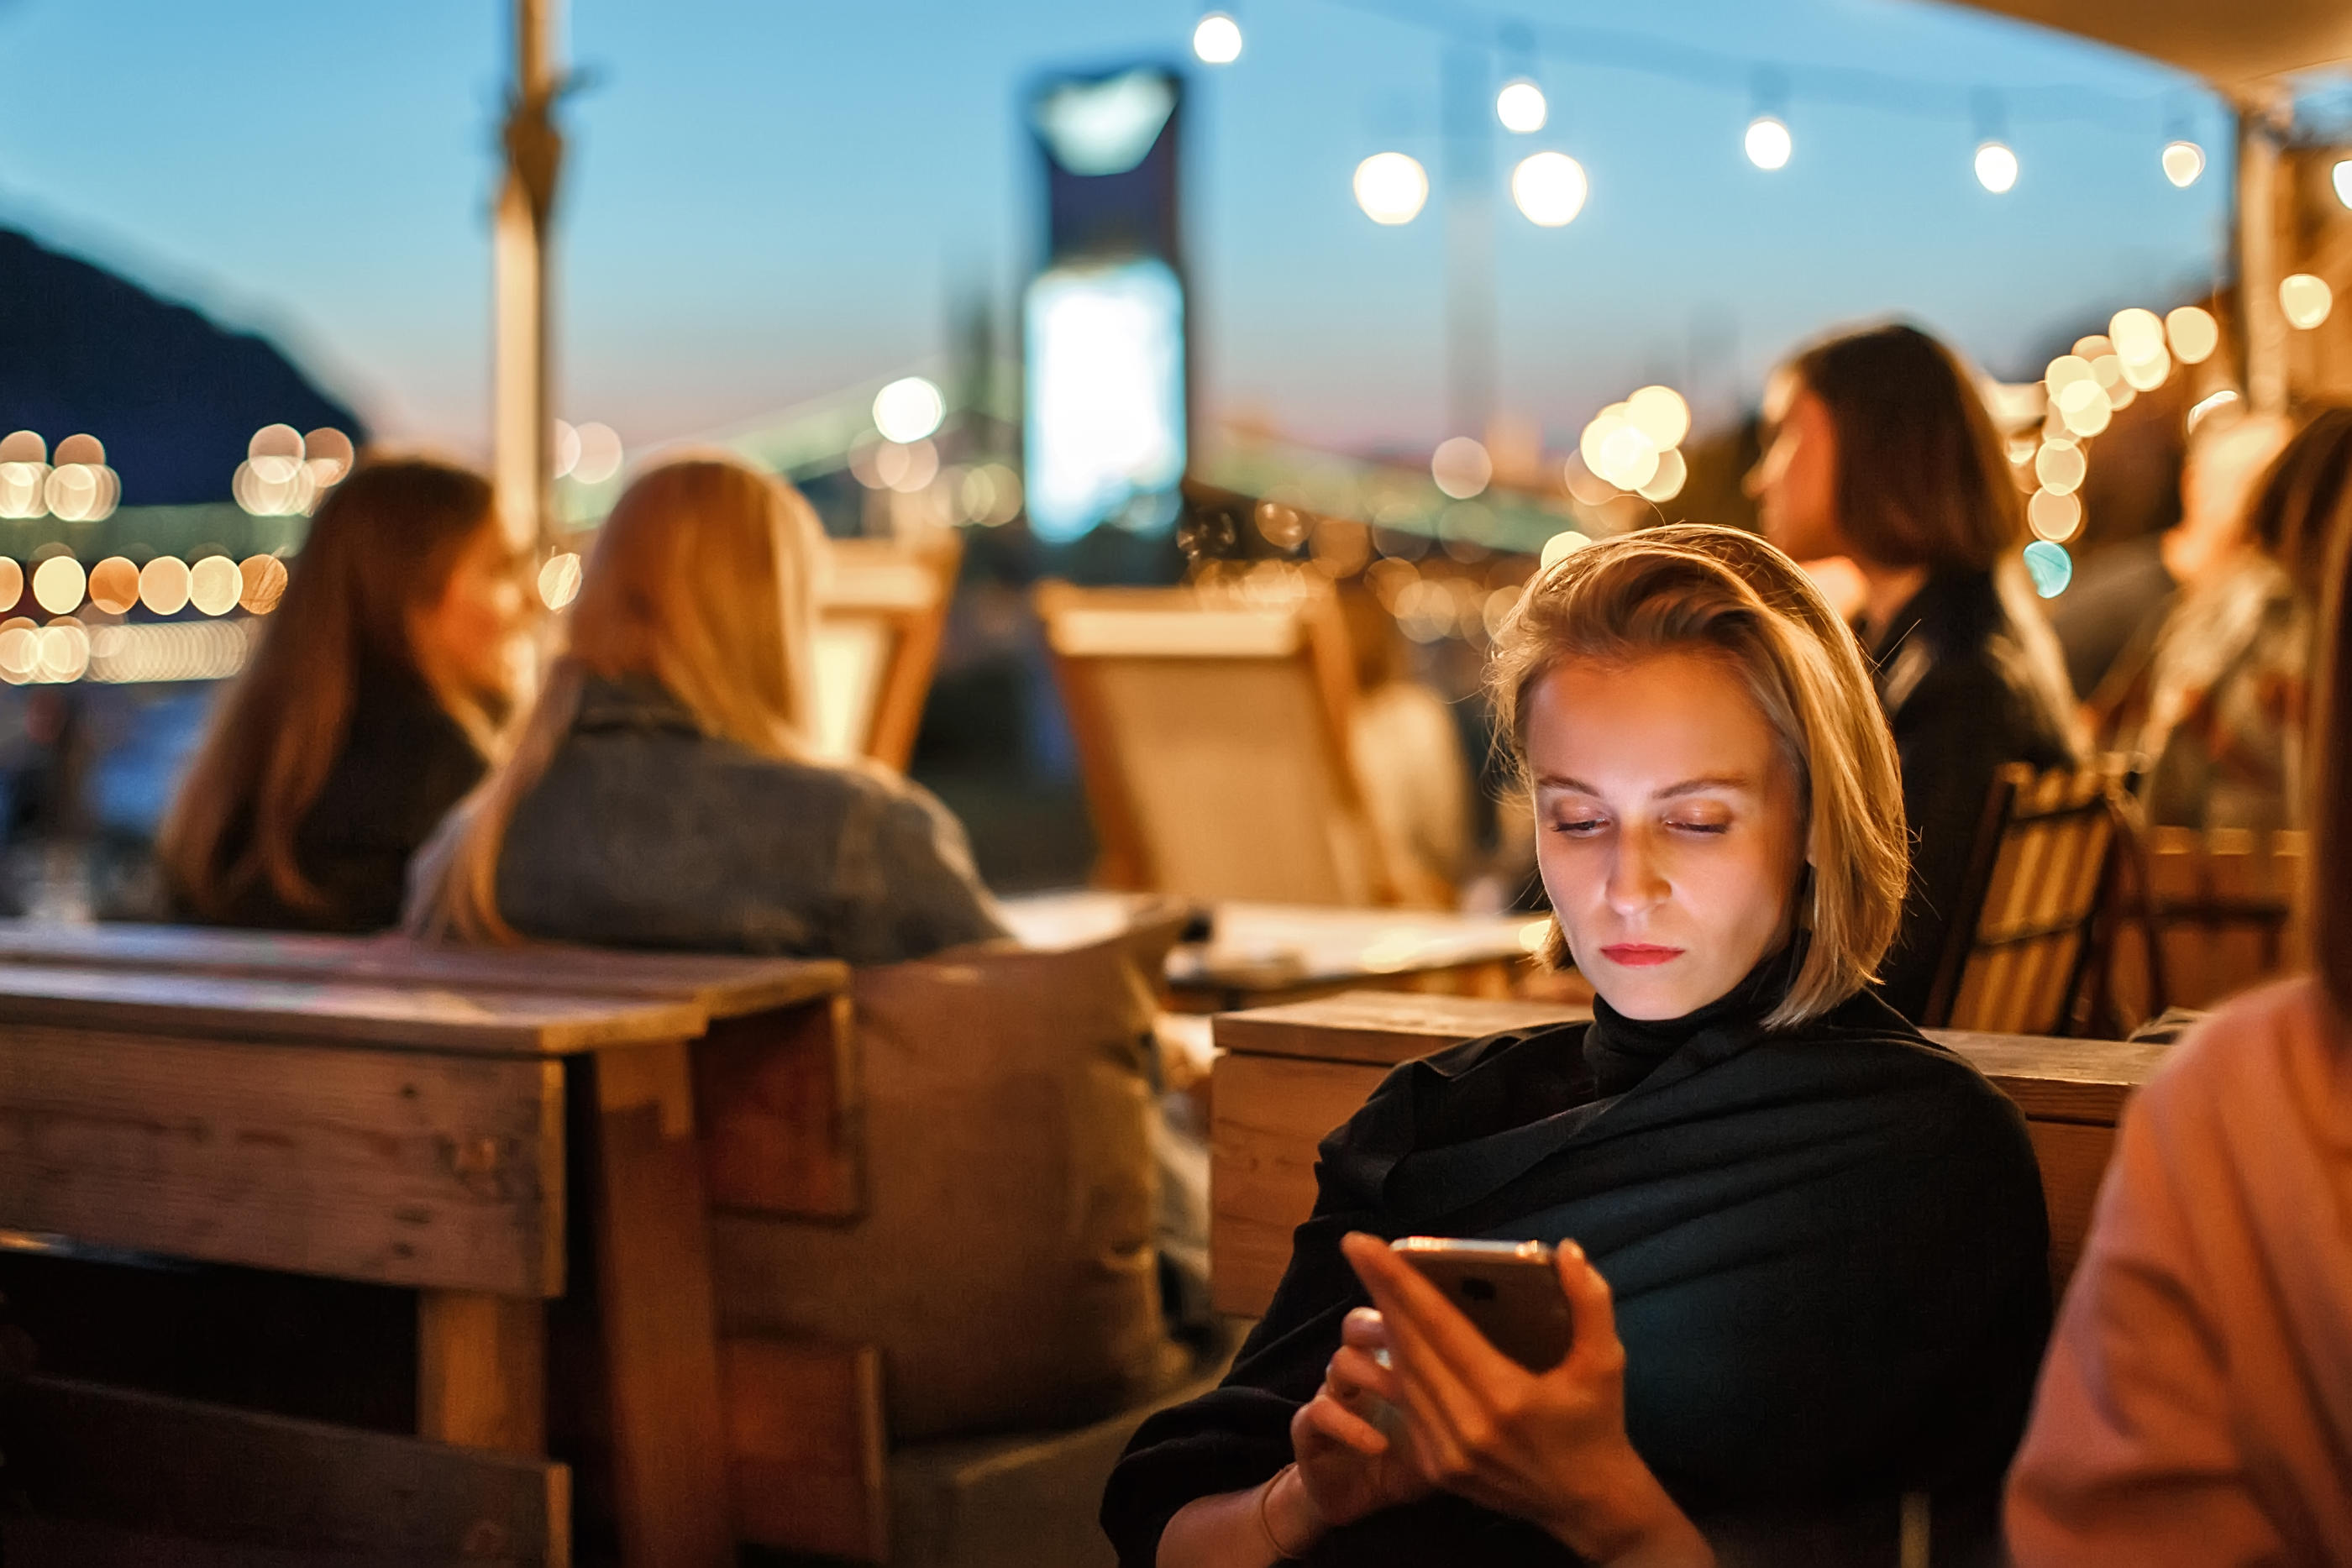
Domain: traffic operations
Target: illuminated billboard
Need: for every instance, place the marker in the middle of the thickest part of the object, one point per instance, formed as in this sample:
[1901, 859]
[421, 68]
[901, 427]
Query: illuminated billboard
[1105, 437]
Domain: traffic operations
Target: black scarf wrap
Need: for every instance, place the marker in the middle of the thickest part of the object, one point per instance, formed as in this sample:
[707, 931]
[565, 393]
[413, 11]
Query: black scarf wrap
[1827, 1245]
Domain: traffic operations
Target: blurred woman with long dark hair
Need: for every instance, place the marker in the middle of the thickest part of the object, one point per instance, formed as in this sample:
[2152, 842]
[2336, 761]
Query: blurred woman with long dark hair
[367, 712]
[1881, 451]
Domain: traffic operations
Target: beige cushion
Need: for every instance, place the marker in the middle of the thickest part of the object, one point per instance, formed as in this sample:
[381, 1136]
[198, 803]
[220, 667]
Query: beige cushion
[1005, 1264]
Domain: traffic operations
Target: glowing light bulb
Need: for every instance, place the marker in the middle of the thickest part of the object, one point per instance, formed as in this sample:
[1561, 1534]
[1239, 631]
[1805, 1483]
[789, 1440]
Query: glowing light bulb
[2055, 514]
[2305, 300]
[1995, 168]
[1659, 414]
[1768, 142]
[1521, 108]
[2136, 334]
[2183, 161]
[1217, 39]
[1390, 188]
[1550, 188]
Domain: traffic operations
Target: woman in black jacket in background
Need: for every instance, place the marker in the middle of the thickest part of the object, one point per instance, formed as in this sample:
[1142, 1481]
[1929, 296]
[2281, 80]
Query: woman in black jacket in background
[1879, 449]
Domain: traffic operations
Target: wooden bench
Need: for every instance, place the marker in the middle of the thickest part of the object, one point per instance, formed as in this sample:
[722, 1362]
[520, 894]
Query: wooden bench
[1286, 1075]
[429, 1118]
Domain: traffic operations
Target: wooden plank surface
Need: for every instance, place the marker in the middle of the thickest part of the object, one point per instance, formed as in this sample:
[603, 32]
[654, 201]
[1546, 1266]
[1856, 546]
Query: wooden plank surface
[1276, 945]
[181, 1470]
[1270, 1112]
[656, 1313]
[1384, 1027]
[1287, 1075]
[398, 1168]
[805, 1446]
[776, 1101]
[723, 987]
[328, 1013]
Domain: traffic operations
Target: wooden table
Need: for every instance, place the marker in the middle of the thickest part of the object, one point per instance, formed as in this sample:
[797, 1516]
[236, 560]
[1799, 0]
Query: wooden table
[375, 1111]
[1286, 1075]
[1258, 954]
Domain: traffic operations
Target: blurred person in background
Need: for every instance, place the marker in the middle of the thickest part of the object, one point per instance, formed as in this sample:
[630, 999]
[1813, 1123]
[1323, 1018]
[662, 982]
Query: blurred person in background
[370, 708]
[2108, 616]
[1408, 760]
[663, 791]
[2227, 680]
[2196, 1408]
[1881, 451]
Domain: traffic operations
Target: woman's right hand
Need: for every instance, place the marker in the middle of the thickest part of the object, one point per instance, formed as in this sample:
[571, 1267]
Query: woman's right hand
[1348, 1468]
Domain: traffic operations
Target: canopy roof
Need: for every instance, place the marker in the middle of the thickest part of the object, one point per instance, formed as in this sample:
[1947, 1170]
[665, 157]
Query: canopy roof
[2232, 44]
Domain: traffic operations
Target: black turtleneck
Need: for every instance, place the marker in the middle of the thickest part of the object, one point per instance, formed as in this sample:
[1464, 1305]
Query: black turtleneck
[1826, 1242]
[1622, 1051]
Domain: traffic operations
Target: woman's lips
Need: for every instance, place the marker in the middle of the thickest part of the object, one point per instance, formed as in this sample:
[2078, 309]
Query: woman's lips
[1639, 954]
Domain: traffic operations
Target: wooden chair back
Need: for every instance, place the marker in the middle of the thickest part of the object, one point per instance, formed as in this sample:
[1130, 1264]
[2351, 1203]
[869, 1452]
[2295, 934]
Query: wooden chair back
[2029, 919]
[2224, 908]
[881, 611]
[1211, 730]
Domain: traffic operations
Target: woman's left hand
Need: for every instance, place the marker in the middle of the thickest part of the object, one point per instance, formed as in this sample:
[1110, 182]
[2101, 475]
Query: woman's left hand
[1549, 1448]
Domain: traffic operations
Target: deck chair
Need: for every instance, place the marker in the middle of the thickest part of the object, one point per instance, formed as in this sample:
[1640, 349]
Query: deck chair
[881, 609]
[2224, 908]
[1211, 731]
[2034, 916]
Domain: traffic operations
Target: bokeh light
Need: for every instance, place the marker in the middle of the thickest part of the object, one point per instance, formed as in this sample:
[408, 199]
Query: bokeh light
[1995, 168]
[114, 585]
[12, 583]
[2193, 334]
[908, 410]
[1217, 39]
[600, 453]
[1521, 108]
[58, 584]
[2183, 161]
[1550, 188]
[261, 580]
[559, 581]
[1561, 546]
[1659, 414]
[1768, 143]
[329, 452]
[1390, 188]
[2305, 300]
[1668, 481]
[163, 585]
[2136, 334]
[2061, 466]
[2054, 514]
[2051, 567]
[567, 448]
[215, 585]
[1461, 468]
[2341, 175]
[2085, 408]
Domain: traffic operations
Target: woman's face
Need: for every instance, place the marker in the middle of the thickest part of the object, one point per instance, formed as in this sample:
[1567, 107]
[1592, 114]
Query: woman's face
[1795, 482]
[463, 637]
[1666, 827]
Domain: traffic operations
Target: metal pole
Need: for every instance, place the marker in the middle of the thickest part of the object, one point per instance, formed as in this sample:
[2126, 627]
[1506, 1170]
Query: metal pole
[523, 460]
[1470, 349]
[2261, 324]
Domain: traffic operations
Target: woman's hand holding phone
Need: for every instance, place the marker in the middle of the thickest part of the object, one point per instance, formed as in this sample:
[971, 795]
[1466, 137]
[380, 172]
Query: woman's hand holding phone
[1549, 1448]
[1347, 1467]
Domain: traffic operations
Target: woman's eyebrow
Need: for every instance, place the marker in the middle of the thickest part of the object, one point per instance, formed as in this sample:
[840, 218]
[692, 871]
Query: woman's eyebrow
[1687, 786]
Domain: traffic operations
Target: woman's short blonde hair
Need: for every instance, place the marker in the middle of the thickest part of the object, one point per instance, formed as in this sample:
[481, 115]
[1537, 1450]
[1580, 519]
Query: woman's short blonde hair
[1695, 586]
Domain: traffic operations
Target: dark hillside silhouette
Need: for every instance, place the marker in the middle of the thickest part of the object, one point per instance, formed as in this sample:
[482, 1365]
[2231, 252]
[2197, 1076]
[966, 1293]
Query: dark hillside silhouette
[174, 397]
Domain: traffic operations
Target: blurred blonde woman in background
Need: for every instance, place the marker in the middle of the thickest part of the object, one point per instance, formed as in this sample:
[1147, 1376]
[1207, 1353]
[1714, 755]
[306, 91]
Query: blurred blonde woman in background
[663, 791]
[368, 710]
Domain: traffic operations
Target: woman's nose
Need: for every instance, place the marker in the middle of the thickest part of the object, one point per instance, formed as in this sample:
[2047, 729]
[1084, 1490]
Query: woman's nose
[1635, 881]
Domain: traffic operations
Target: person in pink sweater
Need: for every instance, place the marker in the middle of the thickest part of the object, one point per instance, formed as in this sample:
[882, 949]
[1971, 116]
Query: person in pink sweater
[2196, 1406]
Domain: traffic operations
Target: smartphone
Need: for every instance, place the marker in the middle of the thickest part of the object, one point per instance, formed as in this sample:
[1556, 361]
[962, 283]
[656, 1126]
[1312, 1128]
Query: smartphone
[1510, 1289]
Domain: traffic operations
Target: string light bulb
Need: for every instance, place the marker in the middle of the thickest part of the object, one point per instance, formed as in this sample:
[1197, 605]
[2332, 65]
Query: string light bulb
[2183, 161]
[1550, 188]
[1217, 39]
[1391, 187]
[1996, 167]
[2305, 300]
[1521, 107]
[1768, 143]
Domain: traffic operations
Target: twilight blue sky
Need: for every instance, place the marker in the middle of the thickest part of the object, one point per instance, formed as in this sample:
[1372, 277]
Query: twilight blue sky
[770, 198]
